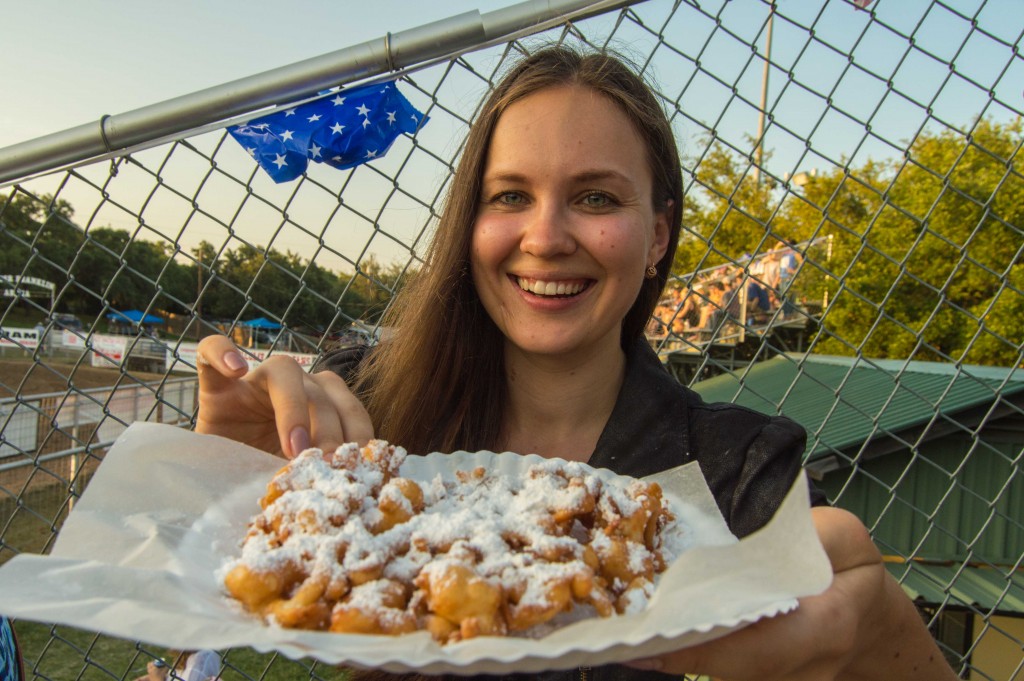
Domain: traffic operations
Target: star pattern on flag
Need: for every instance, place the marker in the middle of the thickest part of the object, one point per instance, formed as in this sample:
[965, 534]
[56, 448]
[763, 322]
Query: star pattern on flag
[343, 129]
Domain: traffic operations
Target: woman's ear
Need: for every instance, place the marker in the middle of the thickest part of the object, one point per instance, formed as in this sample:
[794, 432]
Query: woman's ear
[659, 245]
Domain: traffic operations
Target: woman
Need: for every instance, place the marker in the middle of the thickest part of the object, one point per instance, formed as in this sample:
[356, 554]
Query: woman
[524, 332]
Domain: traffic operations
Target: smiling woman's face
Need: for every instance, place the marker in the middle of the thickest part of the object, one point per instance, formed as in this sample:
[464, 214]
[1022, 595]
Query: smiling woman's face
[566, 225]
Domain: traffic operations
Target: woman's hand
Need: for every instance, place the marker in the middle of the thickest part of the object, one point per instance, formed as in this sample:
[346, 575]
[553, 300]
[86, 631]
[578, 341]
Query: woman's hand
[862, 627]
[277, 407]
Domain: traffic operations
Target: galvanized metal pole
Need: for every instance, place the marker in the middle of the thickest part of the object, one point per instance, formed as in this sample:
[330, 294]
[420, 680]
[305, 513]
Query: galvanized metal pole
[284, 84]
[759, 152]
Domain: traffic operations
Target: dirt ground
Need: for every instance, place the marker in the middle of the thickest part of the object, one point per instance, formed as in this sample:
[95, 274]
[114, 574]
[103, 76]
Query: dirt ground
[55, 375]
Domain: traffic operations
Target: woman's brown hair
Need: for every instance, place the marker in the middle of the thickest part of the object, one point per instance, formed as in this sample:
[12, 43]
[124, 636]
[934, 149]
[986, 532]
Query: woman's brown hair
[439, 384]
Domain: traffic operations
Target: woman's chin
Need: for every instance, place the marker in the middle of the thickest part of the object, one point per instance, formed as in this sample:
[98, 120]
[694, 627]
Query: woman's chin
[558, 343]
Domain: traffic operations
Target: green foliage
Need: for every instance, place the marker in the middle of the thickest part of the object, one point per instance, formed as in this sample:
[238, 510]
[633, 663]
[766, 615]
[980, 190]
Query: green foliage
[374, 285]
[923, 252]
[931, 253]
[37, 238]
[284, 286]
[729, 217]
[127, 273]
[106, 266]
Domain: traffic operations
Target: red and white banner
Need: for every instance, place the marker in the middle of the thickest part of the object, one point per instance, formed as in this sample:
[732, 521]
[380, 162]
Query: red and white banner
[183, 357]
[15, 337]
[70, 339]
[108, 350]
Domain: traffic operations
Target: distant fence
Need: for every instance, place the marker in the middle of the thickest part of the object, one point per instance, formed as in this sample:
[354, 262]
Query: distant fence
[880, 146]
[43, 429]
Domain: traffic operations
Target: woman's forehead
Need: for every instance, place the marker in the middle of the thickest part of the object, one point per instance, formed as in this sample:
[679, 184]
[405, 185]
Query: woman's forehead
[569, 105]
[565, 128]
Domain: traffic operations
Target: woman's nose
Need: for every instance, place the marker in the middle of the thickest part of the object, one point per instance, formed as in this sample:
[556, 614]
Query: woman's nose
[547, 231]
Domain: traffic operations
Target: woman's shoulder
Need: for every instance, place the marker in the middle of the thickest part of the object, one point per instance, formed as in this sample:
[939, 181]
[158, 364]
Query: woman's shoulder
[734, 420]
[749, 459]
[729, 435]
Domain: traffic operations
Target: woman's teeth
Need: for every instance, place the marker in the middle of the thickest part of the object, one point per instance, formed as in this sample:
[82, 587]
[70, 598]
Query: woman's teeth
[551, 288]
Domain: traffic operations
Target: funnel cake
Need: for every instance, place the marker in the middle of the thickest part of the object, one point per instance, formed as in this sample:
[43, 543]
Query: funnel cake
[347, 545]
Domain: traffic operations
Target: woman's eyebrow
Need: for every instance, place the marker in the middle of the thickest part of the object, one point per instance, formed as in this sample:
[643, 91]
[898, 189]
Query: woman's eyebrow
[509, 177]
[598, 175]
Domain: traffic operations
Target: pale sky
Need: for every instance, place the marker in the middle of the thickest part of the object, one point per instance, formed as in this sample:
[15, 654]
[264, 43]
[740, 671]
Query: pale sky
[69, 62]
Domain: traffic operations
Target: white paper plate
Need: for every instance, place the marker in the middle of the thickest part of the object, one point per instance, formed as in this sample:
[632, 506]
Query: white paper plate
[137, 558]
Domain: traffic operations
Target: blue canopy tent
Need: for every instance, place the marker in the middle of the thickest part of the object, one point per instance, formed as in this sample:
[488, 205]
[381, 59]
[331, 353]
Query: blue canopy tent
[134, 317]
[260, 330]
[261, 323]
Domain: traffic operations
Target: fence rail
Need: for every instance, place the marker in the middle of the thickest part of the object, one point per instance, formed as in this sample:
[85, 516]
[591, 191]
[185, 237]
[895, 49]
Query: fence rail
[90, 414]
[854, 217]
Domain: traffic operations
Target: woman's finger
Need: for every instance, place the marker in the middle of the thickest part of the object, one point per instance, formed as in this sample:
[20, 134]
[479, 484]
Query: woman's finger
[355, 420]
[284, 381]
[297, 409]
[325, 424]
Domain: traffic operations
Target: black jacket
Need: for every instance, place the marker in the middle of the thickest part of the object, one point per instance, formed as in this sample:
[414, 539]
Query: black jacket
[749, 459]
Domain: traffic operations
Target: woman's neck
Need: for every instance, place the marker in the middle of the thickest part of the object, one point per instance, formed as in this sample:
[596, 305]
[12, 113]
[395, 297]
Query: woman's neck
[558, 408]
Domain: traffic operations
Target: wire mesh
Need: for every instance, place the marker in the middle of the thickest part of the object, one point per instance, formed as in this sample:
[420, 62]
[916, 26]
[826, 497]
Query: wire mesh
[851, 257]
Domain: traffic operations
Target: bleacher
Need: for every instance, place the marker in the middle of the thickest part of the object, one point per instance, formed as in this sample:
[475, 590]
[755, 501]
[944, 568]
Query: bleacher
[740, 312]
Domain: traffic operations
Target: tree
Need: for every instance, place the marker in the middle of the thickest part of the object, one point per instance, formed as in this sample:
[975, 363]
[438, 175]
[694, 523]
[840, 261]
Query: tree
[129, 273]
[924, 252]
[281, 285]
[38, 239]
[374, 285]
[729, 214]
[111, 267]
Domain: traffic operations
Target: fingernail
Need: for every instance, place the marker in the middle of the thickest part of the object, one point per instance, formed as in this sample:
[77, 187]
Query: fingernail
[299, 440]
[650, 664]
[234, 361]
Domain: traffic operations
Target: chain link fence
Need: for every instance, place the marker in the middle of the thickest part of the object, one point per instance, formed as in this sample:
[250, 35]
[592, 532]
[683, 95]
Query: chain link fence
[851, 257]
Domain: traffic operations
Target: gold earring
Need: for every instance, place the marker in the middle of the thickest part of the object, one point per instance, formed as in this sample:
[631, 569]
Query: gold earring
[652, 272]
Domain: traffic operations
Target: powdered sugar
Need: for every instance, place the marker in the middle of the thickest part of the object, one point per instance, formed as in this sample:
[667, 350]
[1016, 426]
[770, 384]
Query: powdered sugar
[346, 517]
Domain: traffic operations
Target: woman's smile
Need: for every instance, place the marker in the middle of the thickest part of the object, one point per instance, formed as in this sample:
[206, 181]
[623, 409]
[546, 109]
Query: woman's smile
[548, 288]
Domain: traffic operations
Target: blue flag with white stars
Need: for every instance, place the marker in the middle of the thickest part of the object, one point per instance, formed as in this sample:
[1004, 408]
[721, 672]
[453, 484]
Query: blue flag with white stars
[342, 129]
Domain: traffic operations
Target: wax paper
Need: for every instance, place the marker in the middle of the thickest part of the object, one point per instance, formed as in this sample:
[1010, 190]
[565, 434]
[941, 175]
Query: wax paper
[139, 557]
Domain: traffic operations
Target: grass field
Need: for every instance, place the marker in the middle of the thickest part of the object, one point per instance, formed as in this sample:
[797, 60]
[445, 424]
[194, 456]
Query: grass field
[57, 652]
[29, 524]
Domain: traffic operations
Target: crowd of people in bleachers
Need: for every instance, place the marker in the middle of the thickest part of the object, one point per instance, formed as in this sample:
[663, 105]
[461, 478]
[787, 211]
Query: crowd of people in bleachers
[752, 293]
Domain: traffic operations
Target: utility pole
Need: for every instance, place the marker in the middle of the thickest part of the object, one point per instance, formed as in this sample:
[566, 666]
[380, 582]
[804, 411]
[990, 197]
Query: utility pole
[199, 293]
[759, 150]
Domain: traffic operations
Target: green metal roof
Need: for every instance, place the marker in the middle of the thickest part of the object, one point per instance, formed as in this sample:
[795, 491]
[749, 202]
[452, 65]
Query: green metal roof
[989, 589]
[846, 401]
